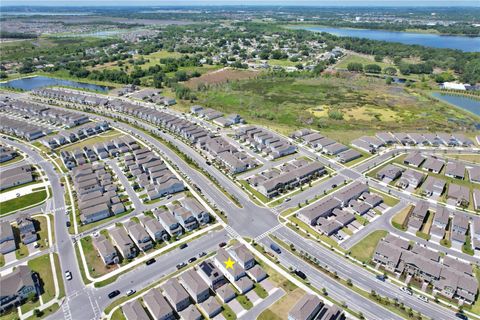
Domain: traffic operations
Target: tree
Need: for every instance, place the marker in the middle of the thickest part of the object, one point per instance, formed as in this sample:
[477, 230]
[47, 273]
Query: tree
[318, 69]
[355, 66]
[3, 75]
[391, 71]
[389, 80]
[472, 72]
[373, 68]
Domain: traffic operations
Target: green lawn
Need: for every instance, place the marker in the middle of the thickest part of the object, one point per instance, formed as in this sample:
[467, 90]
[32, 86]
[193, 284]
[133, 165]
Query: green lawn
[228, 313]
[95, 264]
[245, 302]
[42, 266]
[260, 291]
[22, 202]
[363, 250]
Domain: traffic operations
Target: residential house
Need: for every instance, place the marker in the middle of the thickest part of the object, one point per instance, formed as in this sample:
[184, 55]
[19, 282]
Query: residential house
[196, 287]
[7, 239]
[158, 306]
[16, 287]
[106, 250]
[124, 244]
[306, 308]
[176, 295]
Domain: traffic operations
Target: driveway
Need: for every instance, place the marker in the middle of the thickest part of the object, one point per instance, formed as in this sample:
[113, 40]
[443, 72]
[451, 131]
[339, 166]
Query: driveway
[236, 306]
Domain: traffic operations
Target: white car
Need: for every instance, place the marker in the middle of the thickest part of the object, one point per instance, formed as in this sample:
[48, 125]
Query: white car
[68, 275]
[406, 290]
[423, 298]
[130, 292]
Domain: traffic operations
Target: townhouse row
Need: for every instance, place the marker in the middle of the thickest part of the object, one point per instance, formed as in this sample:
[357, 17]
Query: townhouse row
[16, 176]
[446, 275]
[382, 139]
[269, 144]
[292, 174]
[326, 145]
[96, 192]
[81, 132]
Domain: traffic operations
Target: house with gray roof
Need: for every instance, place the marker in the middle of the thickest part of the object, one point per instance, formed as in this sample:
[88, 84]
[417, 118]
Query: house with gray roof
[417, 216]
[7, 239]
[323, 208]
[433, 164]
[458, 194]
[439, 223]
[243, 256]
[122, 241]
[474, 174]
[168, 221]
[455, 169]
[191, 313]
[307, 308]
[433, 187]
[106, 250]
[347, 156]
[414, 159]
[154, 228]
[134, 311]
[211, 307]
[15, 176]
[225, 293]
[16, 287]
[410, 178]
[26, 227]
[196, 287]
[390, 172]
[139, 235]
[211, 274]
[176, 295]
[157, 305]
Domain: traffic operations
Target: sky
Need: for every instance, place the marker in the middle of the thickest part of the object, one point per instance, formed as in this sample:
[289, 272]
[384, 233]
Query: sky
[412, 3]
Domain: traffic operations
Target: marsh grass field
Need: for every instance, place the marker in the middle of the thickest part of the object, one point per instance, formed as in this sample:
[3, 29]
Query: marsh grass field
[344, 106]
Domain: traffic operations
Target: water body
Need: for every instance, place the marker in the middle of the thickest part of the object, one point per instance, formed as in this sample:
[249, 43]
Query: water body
[463, 43]
[464, 102]
[41, 81]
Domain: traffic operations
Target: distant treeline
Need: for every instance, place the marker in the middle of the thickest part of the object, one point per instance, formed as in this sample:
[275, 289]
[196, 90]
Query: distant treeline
[16, 35]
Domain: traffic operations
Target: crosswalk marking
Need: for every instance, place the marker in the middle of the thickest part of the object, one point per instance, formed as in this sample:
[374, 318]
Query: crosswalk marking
[66, 310]
[231, 232]
[266, 233]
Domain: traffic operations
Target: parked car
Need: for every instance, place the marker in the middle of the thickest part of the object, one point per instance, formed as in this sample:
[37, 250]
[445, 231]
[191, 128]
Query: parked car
[150, 261]
[192, 259]
[183, 246]
[68, 275]
[113, 294]
[288, 199]
[36, 245]
[406, 290]
[222, 244]
[181, 265]
[381, 277]
[68, 224]
[275, 248]
[461, 316]
[202, 254]
[300, 274]
[423, 298]
[130, 292]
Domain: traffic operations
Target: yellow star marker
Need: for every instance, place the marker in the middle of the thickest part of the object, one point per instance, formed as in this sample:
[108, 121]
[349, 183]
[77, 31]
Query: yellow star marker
[229, 263]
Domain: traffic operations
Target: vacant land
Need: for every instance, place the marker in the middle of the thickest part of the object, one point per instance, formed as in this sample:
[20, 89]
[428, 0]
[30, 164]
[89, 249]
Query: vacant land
[220, 76]
[400, 218]
[363, 250]
[279, 310]
[342, 107]
[96, 266]
[42, 266]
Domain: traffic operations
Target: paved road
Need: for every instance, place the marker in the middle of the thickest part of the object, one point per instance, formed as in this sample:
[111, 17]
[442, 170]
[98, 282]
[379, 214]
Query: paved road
[360, 277]
[252, 220]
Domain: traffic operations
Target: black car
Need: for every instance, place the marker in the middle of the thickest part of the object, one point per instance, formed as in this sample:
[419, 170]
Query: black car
[275, 248]
[181, 265]
[202, 254]
[381, 277]
[300, 274]
[150, 261]
[113, 294]
[192, 259]
[183, 246]
[222, 244]
[461, 316]
[68, 224]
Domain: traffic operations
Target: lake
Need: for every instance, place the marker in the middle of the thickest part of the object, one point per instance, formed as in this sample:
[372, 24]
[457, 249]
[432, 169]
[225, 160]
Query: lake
[467, 44]
[464, 102]
[41, 81]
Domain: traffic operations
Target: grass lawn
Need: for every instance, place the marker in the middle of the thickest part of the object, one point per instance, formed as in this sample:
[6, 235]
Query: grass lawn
[366, 105]
[228, 313]
[398, 220]
[118, 315]
[42, 266]
[279, 310]
[245, 302]
[96, 266]
[260, 291]
[42, 230]
[476, 305]
[61, 285]
[46, 312]
[22, 202]
[363, 250]
[314, 233]
[363, 59]
[257, 194]
[103, 137]
[2, 260]
[30, 305]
